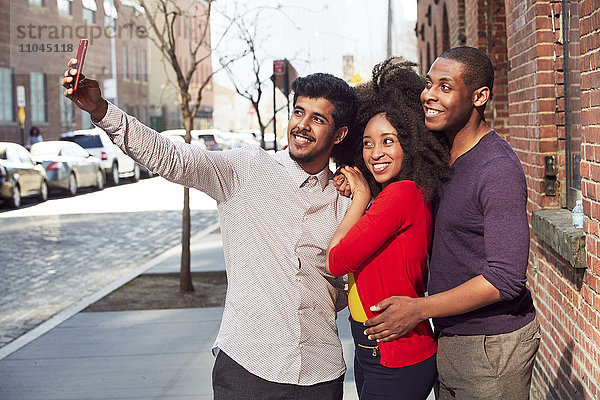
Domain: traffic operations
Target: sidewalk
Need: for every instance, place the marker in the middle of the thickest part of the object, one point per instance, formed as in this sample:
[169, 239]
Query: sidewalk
[156, 354]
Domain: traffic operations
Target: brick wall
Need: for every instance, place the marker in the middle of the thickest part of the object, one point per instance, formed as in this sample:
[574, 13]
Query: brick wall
[20, 16]
[495, 47]
[563, 368]
[589, 299]
[474, 23]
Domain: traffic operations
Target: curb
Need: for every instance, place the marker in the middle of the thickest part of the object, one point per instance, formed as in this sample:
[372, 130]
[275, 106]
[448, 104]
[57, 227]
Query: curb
[72, 310]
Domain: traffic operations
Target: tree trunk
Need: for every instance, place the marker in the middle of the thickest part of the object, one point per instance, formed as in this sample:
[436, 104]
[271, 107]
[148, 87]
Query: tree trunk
[185, 274]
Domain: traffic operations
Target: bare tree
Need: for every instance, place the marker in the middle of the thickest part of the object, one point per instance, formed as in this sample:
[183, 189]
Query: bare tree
[165, 17]
[247, 25]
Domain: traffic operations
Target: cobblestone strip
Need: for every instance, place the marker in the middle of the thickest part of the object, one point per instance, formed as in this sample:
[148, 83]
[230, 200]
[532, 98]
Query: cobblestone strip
[50, 263]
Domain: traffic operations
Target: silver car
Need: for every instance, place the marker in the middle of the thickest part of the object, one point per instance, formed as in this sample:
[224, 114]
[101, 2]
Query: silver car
[68, 166]
[116, 163]
[20, 176]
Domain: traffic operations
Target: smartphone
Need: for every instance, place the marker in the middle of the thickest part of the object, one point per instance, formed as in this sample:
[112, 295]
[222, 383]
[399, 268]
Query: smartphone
[81, 50]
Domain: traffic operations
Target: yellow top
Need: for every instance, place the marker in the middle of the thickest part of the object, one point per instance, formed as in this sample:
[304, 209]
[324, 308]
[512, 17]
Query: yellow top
[354, 304]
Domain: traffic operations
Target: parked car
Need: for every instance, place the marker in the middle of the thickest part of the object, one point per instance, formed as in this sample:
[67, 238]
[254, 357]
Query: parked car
[178, 135]
[252, 136]
[210, 138]
[116, 164]
[249, 138]
[232, 140]
[68, 166]
[20, 176]
[270, 141]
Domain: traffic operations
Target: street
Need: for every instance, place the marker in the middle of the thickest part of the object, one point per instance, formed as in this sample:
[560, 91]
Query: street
[56, 253]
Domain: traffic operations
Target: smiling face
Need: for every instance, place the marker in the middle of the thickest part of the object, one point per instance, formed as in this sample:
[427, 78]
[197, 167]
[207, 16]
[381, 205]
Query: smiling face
[382, 152]
[312, 134]
[447, 102]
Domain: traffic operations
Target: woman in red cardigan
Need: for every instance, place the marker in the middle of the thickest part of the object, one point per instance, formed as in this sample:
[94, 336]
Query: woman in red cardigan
[384, 247]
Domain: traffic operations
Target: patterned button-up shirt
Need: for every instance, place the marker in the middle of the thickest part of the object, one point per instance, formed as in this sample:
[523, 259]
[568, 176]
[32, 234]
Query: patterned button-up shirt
[279, 320]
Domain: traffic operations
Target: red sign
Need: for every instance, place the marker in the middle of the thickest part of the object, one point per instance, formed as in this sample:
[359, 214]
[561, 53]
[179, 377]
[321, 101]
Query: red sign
[279, 67]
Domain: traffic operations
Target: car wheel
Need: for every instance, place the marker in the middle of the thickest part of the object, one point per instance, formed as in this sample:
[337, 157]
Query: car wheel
[44, 191]
[114, 174]
[136, 173]
[72, 190]
[99, 180]
[148, 173]
[14, 201]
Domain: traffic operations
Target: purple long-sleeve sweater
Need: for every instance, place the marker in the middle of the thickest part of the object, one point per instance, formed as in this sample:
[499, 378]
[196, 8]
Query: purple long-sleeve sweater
[481, 228]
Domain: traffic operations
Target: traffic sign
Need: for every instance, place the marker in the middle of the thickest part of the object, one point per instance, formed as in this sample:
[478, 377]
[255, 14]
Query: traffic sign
[279, 67]
[20, 96]
[22, 116]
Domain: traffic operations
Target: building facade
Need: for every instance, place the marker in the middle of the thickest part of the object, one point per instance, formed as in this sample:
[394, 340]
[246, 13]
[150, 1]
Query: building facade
[38, 41]
[165, 105]
[546, 103]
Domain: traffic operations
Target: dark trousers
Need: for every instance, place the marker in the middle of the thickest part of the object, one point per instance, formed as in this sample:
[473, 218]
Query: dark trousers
[377, 382]
[232, 382]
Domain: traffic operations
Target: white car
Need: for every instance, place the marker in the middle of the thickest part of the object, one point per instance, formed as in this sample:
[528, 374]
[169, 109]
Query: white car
[115, 163]
[178, 135]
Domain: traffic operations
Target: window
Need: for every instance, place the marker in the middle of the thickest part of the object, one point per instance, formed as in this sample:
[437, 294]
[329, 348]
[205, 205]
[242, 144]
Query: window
[38, 97]
[89, 11]
[85, 141]
[23, 155]
[572, 78]
[6, 95]
[125, 64]
[37, 2]
[143, 69]
[134, 64]
[66, 108]
[64, 7]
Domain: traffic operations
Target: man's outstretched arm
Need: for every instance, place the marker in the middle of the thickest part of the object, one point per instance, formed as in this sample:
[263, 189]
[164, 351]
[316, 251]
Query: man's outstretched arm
[210, 172]
[399, 314]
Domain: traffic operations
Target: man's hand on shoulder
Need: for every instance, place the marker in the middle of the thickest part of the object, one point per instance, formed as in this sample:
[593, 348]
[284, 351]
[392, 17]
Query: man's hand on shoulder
[341, 183]
[397, 316]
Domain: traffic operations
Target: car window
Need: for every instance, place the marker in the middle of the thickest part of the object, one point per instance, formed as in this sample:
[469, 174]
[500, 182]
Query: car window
[85, 141]
[67, 151]
[12, 155]
[78, 151]
[23, 154]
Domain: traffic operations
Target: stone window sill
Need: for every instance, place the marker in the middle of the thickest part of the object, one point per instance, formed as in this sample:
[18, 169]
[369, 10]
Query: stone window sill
[555, 228]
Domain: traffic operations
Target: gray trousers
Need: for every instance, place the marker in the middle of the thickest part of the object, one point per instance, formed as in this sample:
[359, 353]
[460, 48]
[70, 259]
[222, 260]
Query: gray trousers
[232, 382]
[493, 367]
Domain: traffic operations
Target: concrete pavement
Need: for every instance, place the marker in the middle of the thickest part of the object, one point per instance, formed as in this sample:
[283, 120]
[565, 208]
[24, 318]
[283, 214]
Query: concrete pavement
[156, 354]
[48, 263]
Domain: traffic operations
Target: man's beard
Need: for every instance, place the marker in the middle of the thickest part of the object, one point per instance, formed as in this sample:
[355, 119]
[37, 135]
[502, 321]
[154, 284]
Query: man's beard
[302, 159]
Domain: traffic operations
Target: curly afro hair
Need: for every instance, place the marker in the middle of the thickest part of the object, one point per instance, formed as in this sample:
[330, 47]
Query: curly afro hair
[395, 90]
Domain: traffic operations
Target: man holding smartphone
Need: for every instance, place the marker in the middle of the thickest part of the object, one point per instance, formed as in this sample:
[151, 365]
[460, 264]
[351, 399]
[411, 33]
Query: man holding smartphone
[278, 336]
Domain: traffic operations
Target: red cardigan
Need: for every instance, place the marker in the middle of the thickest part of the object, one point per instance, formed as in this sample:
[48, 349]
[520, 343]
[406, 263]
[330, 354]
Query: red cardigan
[386, 250]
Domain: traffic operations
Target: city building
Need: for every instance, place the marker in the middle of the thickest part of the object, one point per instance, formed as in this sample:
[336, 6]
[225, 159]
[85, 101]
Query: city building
[38, 41]
[547, 105]
[165, 104]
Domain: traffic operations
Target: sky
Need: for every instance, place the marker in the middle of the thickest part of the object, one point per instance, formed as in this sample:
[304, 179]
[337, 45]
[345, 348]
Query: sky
[315, 34]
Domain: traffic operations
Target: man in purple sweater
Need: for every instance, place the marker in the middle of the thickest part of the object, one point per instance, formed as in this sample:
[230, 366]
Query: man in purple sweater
[480, 305]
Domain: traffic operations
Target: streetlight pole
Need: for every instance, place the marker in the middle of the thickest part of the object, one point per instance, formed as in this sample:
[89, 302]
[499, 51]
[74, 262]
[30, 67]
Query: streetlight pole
[389, 30]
